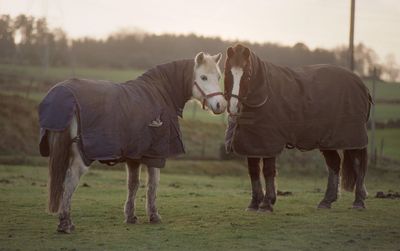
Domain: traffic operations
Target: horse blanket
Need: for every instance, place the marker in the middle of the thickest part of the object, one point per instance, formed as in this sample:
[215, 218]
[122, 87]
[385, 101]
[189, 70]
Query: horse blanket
[312, 107]
[137, 119]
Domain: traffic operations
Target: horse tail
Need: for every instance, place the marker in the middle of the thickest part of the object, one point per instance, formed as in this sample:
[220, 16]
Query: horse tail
[60, 150]
[354, 165]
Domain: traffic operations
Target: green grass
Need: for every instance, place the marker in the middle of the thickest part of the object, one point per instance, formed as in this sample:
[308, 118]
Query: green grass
[385, 112]
[60, 73]
[388, 91]
[199, 213]
[390, 138]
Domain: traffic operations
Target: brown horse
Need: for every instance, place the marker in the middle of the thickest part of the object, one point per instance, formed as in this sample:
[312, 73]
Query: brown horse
[313, 107]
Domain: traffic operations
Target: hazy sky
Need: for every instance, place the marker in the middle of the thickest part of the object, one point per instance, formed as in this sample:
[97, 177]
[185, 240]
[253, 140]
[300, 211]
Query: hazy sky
[318, 23]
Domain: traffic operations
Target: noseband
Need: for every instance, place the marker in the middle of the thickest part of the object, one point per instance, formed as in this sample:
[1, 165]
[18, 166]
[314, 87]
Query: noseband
[206, 96]
[243, 101]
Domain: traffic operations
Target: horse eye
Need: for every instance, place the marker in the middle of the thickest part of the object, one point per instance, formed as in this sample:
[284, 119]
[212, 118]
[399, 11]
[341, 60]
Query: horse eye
[203, 77]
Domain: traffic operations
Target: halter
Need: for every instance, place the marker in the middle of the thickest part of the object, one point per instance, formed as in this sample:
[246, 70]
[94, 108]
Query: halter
[206, 96]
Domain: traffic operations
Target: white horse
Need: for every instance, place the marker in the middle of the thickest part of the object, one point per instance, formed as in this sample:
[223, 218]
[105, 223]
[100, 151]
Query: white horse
[63, 181]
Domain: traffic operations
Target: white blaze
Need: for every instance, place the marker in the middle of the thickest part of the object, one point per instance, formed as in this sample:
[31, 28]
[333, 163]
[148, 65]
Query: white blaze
[237, 73]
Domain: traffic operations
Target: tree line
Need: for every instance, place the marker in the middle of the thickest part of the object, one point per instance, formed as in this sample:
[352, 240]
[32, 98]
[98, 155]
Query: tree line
[29, 40]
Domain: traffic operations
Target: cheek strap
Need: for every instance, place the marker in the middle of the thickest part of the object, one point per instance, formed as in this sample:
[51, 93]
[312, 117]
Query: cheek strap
[206, 96]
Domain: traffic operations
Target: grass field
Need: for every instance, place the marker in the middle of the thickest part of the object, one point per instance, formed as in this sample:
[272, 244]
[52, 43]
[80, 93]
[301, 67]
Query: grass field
[388, 91]
[60, 73]
[390, 138]
[385, 112]
[200, 212]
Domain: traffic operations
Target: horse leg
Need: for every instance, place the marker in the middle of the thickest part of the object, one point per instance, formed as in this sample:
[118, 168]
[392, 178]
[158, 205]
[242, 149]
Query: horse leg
[153, 178]
[332, 160]
[133, 180]
[269, 171]
[360, 166]
[257, 193]
[65, 168]
[74, 172]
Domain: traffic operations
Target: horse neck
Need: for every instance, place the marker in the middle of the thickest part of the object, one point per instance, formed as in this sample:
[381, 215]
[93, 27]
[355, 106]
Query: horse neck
[177, 83]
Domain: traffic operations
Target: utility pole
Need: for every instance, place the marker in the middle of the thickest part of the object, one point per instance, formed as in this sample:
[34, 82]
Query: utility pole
[351, 40]
[46, 41]
[372, 118]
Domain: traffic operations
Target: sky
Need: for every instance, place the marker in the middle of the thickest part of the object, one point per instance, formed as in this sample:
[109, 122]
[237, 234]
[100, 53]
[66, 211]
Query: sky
[317, 23]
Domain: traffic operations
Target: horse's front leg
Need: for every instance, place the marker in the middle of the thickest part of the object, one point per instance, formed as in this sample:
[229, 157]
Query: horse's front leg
[257, 193]
[153, 178]
[133, 180]
[269, 171]
[332, 160]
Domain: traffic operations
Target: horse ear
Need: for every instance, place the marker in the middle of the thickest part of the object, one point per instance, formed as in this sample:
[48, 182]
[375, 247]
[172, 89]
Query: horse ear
[217, 57]
[246, 53]
[199, 58]
[230, 52]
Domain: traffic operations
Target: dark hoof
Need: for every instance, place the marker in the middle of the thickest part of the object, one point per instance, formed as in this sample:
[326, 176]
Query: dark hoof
[359, 206]
[265, 208]
[324, 205]
[253, 205]
[65, 229]
[132, 220]
[155, 219]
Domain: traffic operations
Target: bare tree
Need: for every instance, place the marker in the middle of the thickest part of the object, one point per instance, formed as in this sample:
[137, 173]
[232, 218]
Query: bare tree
[391, 68]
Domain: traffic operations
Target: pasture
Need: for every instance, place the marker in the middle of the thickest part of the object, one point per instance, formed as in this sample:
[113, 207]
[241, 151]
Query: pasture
[202, 202]
[201, 211]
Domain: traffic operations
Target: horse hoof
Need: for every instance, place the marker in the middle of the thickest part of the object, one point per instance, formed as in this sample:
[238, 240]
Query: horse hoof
[251, 209]
[64, 230]
[265, 207]
[324, 206]
[155, 219]
[132, 220]
[65, 227]
[359, 206]
[265, 210]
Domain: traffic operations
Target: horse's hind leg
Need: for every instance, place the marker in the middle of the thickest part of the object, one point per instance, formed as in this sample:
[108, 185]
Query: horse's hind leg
[332, 160]
[74, 172]
[269, 171]
[360, 166]
[133, 173]
[153, 178]
[76, 169]
[257, 193]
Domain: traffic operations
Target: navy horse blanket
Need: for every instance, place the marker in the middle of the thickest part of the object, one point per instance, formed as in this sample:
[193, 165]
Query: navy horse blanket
[137, 119]
[312, 107]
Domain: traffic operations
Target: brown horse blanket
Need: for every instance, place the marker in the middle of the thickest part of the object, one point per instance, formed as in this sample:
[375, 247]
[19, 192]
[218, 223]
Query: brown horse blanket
[137, 119]
[311, 107]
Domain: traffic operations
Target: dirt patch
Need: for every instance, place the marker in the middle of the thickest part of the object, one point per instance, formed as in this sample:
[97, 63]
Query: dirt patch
[389, 195]
[5, 181]
[174, 185]
[85, 184]
[284, 193]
